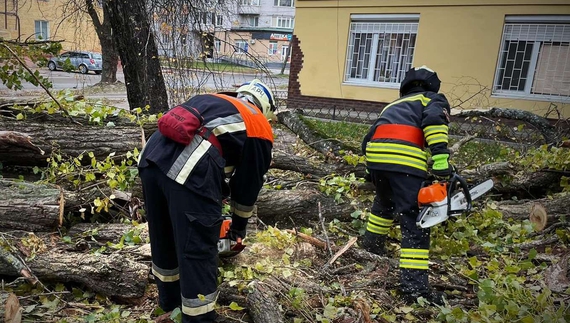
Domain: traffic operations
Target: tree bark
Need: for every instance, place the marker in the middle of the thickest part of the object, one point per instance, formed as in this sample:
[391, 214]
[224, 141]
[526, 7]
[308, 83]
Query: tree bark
[108, 48]
[300, 207]
[520, 210]
[262, 305]
[139, 54]
[327, 147]
[70, 138]
[112, 275]
[547, 130]
[31, 207]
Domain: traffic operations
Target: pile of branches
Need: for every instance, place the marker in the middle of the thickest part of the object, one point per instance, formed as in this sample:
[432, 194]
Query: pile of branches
[42, 243]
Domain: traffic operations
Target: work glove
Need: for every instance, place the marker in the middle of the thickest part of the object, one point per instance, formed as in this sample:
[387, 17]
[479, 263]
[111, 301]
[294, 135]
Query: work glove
[441, 168]
[238, 228]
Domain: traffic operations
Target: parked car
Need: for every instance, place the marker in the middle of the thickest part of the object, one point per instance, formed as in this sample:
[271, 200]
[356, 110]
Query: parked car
[80, 60]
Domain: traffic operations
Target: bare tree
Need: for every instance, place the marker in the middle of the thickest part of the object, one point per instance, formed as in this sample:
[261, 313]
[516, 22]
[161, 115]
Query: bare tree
[108, 48]
[139, 54]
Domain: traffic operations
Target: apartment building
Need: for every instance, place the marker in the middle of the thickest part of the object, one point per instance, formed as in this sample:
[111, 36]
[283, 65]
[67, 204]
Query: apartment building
[258, 30]
[47, 20]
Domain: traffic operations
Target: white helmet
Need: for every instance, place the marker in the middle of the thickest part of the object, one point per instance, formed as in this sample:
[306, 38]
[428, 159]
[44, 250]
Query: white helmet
[261, 94]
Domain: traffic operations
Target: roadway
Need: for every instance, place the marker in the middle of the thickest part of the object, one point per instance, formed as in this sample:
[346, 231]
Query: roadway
[208, 80]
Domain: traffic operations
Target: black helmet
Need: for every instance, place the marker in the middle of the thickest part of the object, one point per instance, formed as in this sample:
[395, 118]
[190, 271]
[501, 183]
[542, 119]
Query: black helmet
[421, 77]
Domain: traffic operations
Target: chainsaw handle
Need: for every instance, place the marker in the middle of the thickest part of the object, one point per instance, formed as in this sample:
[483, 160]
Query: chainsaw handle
[463, 184]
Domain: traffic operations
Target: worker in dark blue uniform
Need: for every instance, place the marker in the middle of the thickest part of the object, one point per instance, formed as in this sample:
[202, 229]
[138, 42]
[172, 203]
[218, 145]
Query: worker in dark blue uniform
[183, 182]
[397, 166]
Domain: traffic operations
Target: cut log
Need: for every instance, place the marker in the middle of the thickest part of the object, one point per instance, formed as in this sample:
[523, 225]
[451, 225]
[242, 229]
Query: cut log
[31, 207]
[114, 275]
[521, 210]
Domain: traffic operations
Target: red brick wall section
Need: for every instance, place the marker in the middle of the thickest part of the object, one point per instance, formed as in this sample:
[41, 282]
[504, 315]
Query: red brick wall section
[296, 100]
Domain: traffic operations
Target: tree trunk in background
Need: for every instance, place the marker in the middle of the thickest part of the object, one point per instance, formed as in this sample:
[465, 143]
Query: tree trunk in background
[108, 48]
[139, 54]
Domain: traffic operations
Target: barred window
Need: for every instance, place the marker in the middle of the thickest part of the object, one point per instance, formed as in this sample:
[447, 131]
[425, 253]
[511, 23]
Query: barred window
[380, 48]
[534, 59]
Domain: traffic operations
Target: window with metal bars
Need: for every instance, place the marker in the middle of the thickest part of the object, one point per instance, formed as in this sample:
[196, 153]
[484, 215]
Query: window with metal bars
[534, 59]
[380, 48]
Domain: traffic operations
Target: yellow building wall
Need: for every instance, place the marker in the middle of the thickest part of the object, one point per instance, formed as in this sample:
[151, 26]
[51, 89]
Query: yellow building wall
[460, 40]
[76, 30]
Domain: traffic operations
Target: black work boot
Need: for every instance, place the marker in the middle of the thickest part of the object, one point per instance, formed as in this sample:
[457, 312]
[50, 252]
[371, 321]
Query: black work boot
[431, 296]
[374, 243]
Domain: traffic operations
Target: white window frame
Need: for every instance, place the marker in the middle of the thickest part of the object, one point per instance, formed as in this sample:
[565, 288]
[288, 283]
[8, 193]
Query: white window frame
[217, 45]
[41, 31]
[239, 48]
[536, 31]
[280, 3]
[249, 2]
[219, 20]
[400, 29]
[273, 48]
[284, 22]
[247, 19]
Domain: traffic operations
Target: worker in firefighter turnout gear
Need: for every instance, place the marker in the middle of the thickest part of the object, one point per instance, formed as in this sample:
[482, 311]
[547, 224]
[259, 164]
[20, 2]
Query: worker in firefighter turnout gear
[183, 168]
[397, 166]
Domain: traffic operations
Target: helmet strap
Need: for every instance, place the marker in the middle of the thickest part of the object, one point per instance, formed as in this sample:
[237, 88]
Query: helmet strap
[251, 99]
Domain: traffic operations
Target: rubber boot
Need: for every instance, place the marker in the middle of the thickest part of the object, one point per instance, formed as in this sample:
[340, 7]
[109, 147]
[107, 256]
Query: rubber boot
[373, 243]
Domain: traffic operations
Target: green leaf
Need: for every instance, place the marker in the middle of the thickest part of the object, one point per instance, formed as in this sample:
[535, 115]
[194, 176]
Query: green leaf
[19, 116]
[235, 307]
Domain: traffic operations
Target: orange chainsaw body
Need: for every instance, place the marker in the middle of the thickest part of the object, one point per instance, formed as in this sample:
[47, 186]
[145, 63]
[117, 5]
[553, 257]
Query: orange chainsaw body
[436, 192]
[226, 246]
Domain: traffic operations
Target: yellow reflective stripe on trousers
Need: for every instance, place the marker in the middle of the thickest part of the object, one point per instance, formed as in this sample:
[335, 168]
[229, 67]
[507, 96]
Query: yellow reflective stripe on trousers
[199, 306]
[165, 275]
[380, 220]
[378, 224]
[414, 264]
[420, 97]
[414, 253]
[376, 229]
[398, 160]
[244, 211]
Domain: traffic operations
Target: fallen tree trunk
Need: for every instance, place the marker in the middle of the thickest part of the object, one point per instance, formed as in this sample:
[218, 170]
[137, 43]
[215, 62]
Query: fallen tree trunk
[262, 305]
[112, 275]
[327, 147]
[300, 207]
[301, 165]
[521, 210]
[30, 207]
[547, 130]
[47, 131]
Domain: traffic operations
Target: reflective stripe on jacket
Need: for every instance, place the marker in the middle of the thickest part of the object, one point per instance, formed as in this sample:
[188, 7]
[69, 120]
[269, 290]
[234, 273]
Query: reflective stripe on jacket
[396, 140]
[246, 139]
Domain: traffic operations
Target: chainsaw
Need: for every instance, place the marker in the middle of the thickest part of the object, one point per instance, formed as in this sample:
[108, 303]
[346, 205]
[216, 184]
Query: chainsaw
[440, 200]
[226, 246]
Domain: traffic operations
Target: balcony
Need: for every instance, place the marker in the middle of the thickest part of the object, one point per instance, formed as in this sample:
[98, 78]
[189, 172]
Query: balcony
[246, 9]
